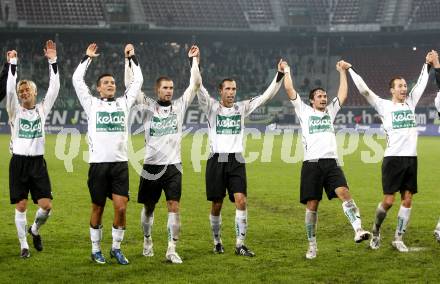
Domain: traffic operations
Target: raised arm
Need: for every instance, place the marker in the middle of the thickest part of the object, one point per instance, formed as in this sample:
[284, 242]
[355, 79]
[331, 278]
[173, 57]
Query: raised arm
[418, 89]
[134, 88]
[368, 94]
[4, 80]
[54, 77]
[141, 97]
[205, 101]
[288, 83]
[270, 92]
[12, 102]
[128, 72]
[436, 65]
[195, 80]
[437, 102]
[342, 68]
[81, 89]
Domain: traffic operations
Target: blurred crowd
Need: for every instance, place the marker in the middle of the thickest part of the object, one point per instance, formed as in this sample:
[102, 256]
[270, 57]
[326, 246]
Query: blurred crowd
[252, 67]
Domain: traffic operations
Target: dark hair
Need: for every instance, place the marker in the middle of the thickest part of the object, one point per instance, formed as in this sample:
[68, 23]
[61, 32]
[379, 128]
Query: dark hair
[159, 81]
[391, 83]
[98, 82]
[312, 93]
[220, 86]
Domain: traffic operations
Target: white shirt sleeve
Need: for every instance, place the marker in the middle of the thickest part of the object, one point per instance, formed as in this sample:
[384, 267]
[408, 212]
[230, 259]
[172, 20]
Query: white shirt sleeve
[255, 102]
[81, 89]
[134, 87]
[194, 85]
[12, 102]
[54, 87]
[374, 100]
[144, 102]
[437, 102]
[128, 73]
[299, 106]
[333, 108]
[205, 100]
[417, 91]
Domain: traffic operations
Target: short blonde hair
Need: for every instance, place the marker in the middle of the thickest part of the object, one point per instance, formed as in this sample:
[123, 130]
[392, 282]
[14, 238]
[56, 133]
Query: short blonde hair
[30, 83]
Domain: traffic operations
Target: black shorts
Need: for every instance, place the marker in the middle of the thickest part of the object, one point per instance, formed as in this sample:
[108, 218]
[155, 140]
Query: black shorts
[156, 178]
[106, 179]
[225, 172]
[399, 174]
[323, 173]
[28, 174]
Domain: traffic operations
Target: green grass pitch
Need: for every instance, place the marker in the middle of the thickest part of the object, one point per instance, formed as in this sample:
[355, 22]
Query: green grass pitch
[276, 228]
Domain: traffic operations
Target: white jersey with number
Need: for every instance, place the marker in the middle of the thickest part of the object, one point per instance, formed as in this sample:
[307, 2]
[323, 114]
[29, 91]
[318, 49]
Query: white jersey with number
[107, 119]
[163, 124]
[398, 119]
[226, 125]
[318, 133]
[27, 125]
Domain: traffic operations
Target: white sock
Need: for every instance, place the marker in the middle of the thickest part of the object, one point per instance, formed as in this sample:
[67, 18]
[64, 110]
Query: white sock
[311, 220]
[240, 226]
[41, 217]
[21, 223]
[216, 226]
[437, 228]
[118, 236]
[352, 213]
[173, 227]
[147, 222]
[381, 213]
[402, 222]
[96, 237]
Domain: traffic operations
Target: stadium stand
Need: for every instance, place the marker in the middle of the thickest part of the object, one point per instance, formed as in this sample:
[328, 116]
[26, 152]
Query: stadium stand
[426, 11]
[251, 64]
[378, 65]
[195, 13]
[257, 11]
[227, 14]
[320, 12]
[60, 12]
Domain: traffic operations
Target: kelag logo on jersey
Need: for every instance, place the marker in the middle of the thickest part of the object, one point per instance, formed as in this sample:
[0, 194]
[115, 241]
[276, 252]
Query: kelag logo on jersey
[30, 129]
[110, 121]
[228, 124]
[403, 119]
[320, 124]
[163, 126]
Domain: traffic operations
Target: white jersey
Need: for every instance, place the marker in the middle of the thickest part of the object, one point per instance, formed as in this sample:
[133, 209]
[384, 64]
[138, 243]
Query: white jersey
[437, 102]
[226, 125]
[107, 119]
[318, 133]
[398, 119]
[163, 124]
[437, 98]
[27, 125]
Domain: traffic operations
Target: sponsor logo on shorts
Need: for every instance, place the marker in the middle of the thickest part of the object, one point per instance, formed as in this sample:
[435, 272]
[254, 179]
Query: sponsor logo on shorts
[320, 124]
[403, 119]
[110, 121]
[30, 129]
[163, 126]
[228, 124]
